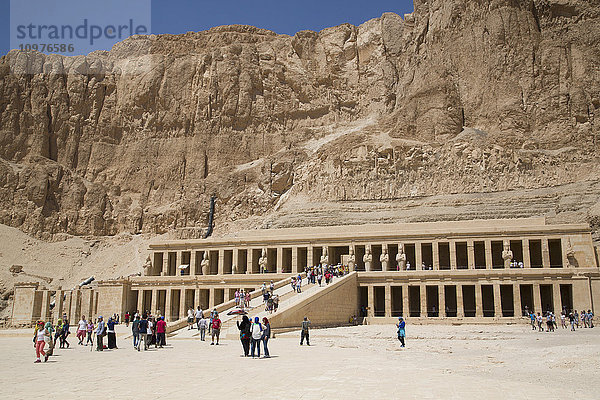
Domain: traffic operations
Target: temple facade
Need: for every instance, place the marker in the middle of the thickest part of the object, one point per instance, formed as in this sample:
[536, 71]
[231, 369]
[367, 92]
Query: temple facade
[472, 271]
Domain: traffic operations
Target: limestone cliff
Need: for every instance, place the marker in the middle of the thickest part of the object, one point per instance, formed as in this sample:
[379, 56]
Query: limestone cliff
[461, 97]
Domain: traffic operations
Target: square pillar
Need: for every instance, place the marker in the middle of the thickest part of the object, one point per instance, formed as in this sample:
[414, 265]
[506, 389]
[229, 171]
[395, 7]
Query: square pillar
[405, 303]
[545, 253]
[460, 308]
[182, 306]
[280, 260]
[452, 245]
[58, 305]
[295, 260]
[193, 263]
[564, 241]
[556, 297]
[442, 300]
[517, 301]
[436, 255]
[309, 257]
[470, 254]
[168, 302]
[488, 254]
[537, 298]
[371, 301]
[423, 295]
[235, 259]
[45, 313]
[497, 301]
[478, 301]
[419, 256]
[249, 260]
[154, 301]
[388, 300]
[526, 255]
[196, 298]
[140, 303]
[211, 298]
[165, 266]
[221, 266]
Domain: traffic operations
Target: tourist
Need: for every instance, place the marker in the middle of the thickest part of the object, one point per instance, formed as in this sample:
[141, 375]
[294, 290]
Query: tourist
[150, 332]
[549, 323]
[270, 304]
[266, 335]
[563, 320]
[199, 315]
[39, 341]
[244, 328]
[237, 297]
[304, 333]
[248, 298]
[215, 327]
[48, 339]
[266, 297]
[299, 284]
[408, 265]
[320, 278]
[161, 332]
[572, 321]
[64, 333]
[81, 330]
[135, 330]
[293, 281]
[272, 287]
[190, 318]
[110, 330]
[263, 289]
[100, 332]
[540, 320]
[202, 325]
[143, 328]
[256, 331]
[127, 319]
[58, 332]
[276, 302]
[213, 313]
[590, 318]
[533, 320]
[577, 319]
[401, 330]
[90, 332]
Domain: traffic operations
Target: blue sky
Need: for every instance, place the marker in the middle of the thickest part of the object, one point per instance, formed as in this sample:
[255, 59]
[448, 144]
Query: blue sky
[281, 16]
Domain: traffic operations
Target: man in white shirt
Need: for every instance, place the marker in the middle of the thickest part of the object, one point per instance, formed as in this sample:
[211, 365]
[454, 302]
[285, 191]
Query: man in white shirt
[199, 316]
[81, 329]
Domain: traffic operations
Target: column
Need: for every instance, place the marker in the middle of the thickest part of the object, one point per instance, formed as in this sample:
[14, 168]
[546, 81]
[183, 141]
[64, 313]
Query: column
[452, 245]
[545, 253]
[295, 260]
[196, 298]
[75, 305]
[556, 298]
[405, 304]
[154, 302]
[517, 301]
[226, 297]
[436, 255]
[182, 305]
[460, 308]
[193, 263]
[168, 305]
[423, 295]
[442, 300]
[497, 301]
[488, 254]
[478, 301]
[279, 260]
[221, 266]
[140, 302]
[537, 298]
[45, 306]
[526, 255]
[309, 256]
[418, 256]
[58, 305]
[211, 298]
[471, 254]
[564, 241]
[235, 259]
[165, 266]
[371, 301]
[250, 261]
[388, 300]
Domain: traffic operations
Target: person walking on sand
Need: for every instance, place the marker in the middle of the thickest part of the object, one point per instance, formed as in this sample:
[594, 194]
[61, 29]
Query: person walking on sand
[202, 325]
[257, 332]
[64, 333]
[244, 328]
[39, 341]
[572, 321]
[304, 333]
[161, 331]
[540, 320]
[216, 328]
[112, 337]
[143, 327]
[90, 332]
[533, 320]
[401, 330]
[81, 330]
[100, 332]
[190, 318]
[266, 335]
[135, 330]
[199, 315]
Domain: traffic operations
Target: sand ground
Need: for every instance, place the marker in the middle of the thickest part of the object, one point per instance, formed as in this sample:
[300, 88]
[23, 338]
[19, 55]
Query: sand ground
[365, 362]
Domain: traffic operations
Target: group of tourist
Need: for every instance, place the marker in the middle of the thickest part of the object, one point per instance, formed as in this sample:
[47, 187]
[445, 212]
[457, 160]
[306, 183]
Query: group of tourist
[242, 298]
[576, 319]
[253, 334]
[148, 330]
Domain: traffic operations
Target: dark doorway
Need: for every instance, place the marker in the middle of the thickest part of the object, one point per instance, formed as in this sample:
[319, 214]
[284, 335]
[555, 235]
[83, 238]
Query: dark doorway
[555, 249]
[516, 246]
[487, 300]
[566, 297]
[507, 300]
[450, 300]
[287, 260]
[497, 248]
[469, 300]
[414, 300]
[379, 293]
[479, 248]
[433, 301]
[535, 253]
[526, 292]
[546, 295]
[462, 258]
[397, 301]
[360, 253]
[363, 303]
[444, 254]
[376, 251]
[427, 255]
[410, 256]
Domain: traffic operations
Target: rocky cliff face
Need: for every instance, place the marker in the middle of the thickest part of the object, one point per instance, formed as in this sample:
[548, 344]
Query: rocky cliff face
[459, 97]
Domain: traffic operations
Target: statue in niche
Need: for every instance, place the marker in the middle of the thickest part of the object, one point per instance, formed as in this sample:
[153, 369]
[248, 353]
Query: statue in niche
[324, 257]
[147, 266]
[351, 260]
[368, 259]
[507, 255]
[384, 258]
[401, 258]
[205, 264]
[263, 261]
[570, 253]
